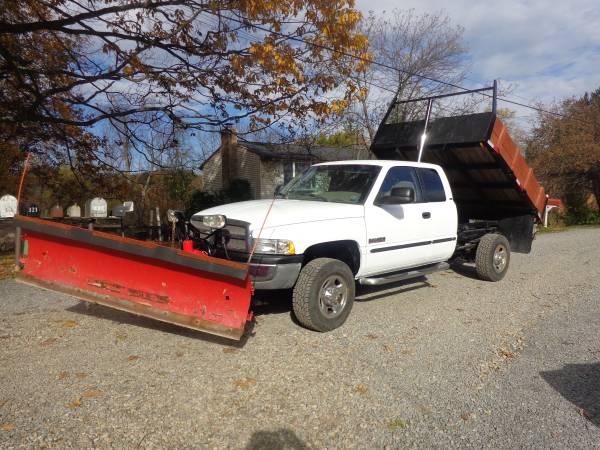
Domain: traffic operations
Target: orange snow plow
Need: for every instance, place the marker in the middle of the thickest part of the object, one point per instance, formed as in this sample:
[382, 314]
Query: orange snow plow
[185, 288]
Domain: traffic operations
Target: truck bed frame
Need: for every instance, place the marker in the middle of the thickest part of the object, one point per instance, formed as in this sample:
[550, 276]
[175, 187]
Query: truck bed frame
[492, 185]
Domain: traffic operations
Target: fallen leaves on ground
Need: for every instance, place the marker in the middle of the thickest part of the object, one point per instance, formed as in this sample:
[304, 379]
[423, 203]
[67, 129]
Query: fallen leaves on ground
[48, 342]
[407, 353]
[133, 358]
[121, 337]
[63, 375]
[244, 383]
[388, 348]
[465, 416]
[7, 426]
[506, 353]
[397, 424]
[371, 336]
[7, 266]
[92, 393]
[583, 413]
[74, 404]
[229, 350]
[80, 375]
[69, 324]
[361, 389]
[178, 354]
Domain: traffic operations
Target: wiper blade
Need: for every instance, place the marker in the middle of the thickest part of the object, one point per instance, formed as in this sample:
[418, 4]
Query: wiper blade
[318, 196]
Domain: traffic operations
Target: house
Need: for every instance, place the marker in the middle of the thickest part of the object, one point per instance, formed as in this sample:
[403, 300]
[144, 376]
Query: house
[265, 165]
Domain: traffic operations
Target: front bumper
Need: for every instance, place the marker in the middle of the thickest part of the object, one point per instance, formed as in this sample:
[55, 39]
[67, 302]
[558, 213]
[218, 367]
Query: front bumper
[270, 271]
[274, 276]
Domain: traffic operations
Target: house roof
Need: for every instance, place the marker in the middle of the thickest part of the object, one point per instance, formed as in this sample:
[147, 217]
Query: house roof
[297, 152]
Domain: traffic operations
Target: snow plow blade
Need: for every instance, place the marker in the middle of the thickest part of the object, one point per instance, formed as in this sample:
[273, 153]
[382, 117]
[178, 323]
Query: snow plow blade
[194, 291]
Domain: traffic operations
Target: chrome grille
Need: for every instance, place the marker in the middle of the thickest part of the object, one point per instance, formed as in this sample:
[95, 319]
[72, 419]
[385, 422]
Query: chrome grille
[236, 229]
[238, 240]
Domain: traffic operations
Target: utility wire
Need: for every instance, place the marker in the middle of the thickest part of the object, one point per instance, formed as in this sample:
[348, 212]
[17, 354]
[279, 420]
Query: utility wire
[380, 64]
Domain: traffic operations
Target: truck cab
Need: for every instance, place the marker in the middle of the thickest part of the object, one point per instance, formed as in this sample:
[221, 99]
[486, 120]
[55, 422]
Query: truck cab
[339, 223]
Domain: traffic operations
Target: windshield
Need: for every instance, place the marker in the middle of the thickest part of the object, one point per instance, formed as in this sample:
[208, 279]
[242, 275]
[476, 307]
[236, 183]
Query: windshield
[347, 183]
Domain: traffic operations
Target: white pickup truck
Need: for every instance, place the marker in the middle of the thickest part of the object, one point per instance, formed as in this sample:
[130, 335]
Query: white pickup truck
[372, 222]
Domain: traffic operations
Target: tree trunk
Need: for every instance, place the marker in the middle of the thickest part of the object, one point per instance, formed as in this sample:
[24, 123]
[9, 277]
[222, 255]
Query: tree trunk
[595, 178]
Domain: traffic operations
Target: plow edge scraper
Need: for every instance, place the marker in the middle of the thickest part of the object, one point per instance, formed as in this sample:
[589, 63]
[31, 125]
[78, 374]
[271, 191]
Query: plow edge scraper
[194, 291]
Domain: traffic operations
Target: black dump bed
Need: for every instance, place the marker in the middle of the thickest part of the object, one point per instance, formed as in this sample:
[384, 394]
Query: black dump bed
[489, 177]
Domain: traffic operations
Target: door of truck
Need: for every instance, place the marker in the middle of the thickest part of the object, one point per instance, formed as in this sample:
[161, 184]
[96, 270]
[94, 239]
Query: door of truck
[441, 218]
[398, 235]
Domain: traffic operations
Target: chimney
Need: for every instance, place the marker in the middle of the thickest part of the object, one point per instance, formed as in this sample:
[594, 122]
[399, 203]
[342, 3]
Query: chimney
[228, 155]
[228, 136]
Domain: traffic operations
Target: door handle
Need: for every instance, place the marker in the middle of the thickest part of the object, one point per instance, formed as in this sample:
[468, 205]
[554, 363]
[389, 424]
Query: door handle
[426, 215]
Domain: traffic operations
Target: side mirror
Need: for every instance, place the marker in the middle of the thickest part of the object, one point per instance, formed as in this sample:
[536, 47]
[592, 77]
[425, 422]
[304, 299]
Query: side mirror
[401, 195]
[398, 196]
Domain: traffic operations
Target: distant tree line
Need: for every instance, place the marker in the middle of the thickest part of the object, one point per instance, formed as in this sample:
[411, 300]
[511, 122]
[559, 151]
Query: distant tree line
[564, 150]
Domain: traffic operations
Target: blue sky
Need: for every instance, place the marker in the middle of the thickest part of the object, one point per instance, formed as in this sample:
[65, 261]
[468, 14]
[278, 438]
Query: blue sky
[546, 50]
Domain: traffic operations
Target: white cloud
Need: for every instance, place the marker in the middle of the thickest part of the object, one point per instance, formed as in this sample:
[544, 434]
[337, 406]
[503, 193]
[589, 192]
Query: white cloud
[547, 50]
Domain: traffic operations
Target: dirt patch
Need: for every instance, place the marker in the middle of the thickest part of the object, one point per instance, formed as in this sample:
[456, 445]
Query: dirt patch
[7, 265]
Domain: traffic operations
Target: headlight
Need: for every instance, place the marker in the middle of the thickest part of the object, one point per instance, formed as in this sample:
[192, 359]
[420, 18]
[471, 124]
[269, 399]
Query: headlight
[215, 221]
[276, 246]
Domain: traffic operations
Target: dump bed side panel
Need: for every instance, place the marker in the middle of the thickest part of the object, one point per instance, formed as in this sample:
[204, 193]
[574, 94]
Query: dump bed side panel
[501, 142]
[489, 177]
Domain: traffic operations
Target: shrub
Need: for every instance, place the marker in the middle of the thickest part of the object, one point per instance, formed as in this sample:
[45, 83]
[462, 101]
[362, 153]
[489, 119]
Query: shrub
[581, 215]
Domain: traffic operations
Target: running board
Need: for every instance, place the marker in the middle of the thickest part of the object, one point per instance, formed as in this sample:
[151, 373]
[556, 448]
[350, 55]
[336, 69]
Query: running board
[410, 273]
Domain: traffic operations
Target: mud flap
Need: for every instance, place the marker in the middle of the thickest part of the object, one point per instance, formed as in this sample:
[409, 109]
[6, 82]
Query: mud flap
[194, 291]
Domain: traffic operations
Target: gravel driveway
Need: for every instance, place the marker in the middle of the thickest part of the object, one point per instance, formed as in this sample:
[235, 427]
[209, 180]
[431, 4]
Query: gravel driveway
[446, 362]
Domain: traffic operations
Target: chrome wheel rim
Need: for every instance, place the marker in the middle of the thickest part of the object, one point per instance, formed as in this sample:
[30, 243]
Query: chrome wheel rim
[333, 296]
[500, 258]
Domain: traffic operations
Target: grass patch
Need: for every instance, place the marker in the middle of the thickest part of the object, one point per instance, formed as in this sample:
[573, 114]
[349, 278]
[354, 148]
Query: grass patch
[397, 424]
[7, 265]
[559, 228]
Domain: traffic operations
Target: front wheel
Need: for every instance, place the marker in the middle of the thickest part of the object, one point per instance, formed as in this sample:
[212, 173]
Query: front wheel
[323, 294]
[492, 257]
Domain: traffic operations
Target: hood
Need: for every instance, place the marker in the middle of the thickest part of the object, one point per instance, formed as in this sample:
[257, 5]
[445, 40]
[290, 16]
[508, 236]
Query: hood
[285, 212]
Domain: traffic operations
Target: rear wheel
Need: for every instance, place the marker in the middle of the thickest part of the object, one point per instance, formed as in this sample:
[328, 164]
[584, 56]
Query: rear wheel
[323, 294]
[492, 257]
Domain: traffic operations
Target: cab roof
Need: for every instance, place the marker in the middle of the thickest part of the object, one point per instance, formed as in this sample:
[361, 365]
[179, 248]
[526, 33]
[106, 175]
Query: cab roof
[380, 163]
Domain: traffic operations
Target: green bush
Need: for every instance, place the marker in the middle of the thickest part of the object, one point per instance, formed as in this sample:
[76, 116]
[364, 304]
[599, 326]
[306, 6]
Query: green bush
[581, 215]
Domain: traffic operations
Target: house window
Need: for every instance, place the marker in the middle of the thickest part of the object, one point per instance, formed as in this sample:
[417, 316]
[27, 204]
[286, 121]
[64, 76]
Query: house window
[293, 168]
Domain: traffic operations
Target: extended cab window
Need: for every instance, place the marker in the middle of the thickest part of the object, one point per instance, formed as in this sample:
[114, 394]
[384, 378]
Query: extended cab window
[398, 177]
[433, 189]
[343, 183]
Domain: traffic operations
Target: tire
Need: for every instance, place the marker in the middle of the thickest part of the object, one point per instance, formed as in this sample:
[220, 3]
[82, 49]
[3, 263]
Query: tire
[493, 257]
[324, 294]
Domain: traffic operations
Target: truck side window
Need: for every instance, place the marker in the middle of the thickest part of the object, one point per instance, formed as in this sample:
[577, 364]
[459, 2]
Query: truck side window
[398, 177]
[433, 189]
